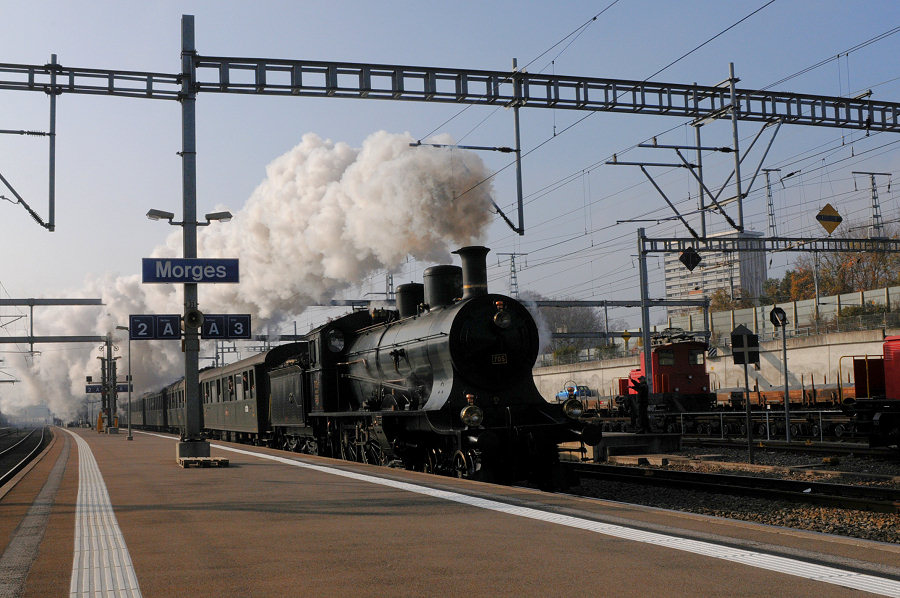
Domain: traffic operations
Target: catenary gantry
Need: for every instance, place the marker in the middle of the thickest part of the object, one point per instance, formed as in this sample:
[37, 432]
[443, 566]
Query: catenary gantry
[306, 78]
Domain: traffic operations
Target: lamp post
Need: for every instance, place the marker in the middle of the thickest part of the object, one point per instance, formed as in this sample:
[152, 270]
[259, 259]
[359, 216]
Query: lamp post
[192, 443]
[125, 328]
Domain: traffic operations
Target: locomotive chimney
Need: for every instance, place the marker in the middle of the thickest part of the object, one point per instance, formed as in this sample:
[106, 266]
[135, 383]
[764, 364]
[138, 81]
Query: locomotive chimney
[443, 285]
[474, 267]
[409, 296]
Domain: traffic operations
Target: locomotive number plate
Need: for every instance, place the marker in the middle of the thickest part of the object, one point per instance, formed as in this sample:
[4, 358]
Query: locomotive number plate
[499, 359]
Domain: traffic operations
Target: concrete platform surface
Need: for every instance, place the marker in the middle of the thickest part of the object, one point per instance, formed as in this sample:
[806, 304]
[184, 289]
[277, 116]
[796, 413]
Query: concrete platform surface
[277, 524]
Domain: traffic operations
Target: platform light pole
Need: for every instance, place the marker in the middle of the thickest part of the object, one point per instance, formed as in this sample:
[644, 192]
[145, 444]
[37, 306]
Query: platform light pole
[192, 442]
[128, 380]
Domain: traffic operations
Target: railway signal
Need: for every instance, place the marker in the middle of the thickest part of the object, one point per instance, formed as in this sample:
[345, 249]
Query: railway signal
[745, 350]
[779, 320]
[829, 218]
[690, 258]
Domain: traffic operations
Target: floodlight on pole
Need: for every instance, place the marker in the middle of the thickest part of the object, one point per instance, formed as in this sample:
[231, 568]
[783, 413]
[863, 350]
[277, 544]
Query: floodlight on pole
[218, 217]
[160, 215]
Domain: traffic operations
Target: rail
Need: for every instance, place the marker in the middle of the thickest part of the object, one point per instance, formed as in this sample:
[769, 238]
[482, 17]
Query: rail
[6, 477]
[884, 500]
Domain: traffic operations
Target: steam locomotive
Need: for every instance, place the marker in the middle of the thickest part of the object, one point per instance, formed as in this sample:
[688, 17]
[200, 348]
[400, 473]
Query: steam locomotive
[442, 384]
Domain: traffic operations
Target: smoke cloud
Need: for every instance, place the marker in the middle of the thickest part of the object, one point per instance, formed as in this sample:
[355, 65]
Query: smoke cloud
[326, 216]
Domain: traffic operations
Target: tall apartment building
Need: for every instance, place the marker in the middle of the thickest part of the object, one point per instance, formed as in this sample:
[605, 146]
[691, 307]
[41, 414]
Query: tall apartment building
[740, 274]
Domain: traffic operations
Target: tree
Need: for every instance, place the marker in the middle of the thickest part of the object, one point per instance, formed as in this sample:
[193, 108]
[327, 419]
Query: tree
[720, 300]
[565, 319]
[838, 273]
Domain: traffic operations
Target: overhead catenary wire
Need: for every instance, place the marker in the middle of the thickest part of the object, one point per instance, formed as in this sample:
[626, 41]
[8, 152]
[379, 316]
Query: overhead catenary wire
[590, 114]
[870, 41]
[576, 33]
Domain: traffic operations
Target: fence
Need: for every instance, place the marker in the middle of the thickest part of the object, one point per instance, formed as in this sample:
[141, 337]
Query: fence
[802, 322]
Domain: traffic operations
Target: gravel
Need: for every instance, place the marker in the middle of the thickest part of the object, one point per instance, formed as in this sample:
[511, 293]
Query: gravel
[882, 527]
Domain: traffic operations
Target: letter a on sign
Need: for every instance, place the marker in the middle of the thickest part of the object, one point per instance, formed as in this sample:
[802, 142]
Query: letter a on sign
[168, 326]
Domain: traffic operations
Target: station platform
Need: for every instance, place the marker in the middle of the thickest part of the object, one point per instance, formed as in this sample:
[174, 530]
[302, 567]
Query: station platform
[99, 515]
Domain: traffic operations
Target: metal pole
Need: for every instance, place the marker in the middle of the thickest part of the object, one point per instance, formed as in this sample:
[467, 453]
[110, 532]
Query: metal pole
[816, 288]
[130, 405]
[747, 409]
[192, 443]
[51, 220]
[606, 324]
[787, 396]
[700, 182]
[517, 87]
[737, 156]
[645, 312]
[110, 384]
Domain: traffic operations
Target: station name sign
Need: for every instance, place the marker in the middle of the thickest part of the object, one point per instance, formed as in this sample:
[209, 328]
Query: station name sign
[190, 270]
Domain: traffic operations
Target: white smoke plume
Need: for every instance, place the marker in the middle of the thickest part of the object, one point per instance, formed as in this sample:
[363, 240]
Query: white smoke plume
[326, 216]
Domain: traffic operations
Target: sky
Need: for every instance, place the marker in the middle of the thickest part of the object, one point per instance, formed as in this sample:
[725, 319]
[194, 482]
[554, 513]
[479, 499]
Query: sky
[317, 175]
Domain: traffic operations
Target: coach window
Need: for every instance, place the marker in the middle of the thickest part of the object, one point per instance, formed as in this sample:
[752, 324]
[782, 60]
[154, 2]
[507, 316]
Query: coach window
[696, 358]
[252, 384]
[666, 358]
[239, 387]
[230, 388]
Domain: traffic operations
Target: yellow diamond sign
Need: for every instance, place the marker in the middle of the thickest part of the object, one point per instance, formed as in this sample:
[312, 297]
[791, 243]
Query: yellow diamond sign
[829, 218]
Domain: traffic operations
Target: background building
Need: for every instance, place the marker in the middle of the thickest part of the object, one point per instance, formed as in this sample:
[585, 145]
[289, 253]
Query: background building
[740, 274]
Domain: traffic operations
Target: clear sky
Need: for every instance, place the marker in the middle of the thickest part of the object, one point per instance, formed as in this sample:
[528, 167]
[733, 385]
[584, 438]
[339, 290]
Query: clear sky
[116, 157]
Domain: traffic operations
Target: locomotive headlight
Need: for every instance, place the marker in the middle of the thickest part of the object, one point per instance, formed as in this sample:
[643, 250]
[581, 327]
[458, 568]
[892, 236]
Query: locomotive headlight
[472, 415]
[573, 408]
[503, 319]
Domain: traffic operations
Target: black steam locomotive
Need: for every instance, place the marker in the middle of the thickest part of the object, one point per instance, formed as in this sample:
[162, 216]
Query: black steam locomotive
[442, 384]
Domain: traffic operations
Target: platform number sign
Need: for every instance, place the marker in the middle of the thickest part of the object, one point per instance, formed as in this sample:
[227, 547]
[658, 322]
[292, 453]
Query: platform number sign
[226, 327]
[744, 346]
[154, 327]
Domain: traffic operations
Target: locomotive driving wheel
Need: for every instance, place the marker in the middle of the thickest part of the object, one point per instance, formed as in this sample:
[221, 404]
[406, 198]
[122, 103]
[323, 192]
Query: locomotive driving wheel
[466, 463]
[310, 447]
[429, 461]
[372, 452]
[460, 464]
[349, 448]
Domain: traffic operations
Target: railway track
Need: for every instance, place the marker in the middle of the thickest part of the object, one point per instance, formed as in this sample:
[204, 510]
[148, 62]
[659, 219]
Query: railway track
[867, 498]
[18, 454]
[830, 448]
